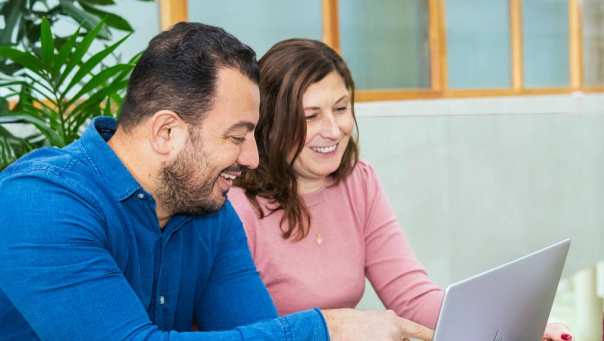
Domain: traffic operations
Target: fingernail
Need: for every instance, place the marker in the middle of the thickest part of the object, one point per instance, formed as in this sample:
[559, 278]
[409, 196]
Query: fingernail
[567, 337]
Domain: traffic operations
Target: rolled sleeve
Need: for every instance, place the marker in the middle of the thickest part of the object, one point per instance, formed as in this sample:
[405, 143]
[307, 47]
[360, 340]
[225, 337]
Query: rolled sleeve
[303, 326]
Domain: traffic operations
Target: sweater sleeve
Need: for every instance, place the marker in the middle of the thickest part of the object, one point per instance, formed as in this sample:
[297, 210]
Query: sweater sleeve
[398, 278]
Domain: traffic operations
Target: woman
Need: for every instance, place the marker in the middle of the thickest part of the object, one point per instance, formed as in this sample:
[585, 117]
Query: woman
[317, 218]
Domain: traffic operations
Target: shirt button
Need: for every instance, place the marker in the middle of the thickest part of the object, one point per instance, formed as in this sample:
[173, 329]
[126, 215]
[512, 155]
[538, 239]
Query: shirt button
[162, 300]
[140, 196]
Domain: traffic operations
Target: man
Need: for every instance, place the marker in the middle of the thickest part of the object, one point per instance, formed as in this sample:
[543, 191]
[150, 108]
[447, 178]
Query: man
[125, 234]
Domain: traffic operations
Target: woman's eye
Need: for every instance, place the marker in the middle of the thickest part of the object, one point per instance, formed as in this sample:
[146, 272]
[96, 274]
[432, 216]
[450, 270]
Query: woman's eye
[237, 140]
[340, 109]
[310, 116]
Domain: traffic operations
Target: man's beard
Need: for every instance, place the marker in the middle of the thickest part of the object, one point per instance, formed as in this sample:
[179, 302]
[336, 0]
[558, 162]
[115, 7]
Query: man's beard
[185, 185]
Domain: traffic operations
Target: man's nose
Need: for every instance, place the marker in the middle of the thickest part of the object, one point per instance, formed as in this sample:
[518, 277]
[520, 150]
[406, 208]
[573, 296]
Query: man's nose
[249, 154]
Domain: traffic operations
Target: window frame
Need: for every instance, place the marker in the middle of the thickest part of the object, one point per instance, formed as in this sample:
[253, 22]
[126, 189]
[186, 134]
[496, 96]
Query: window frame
[173, 11]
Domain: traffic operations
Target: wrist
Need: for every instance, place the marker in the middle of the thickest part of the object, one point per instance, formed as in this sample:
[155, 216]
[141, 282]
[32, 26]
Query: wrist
[334, 321]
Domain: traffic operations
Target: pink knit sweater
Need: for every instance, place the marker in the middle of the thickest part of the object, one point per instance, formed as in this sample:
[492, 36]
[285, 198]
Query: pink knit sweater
[354, 234]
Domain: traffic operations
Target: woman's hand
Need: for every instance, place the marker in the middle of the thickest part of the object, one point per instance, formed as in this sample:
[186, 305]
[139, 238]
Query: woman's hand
[557, 332]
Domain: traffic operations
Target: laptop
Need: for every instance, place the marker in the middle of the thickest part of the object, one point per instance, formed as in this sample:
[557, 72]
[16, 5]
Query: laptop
[511, 302]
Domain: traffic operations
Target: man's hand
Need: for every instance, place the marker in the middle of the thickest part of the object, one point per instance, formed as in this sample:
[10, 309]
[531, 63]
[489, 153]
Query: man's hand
[350, 324]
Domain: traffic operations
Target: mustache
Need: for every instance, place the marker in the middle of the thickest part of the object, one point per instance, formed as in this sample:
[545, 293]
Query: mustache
[236, 168]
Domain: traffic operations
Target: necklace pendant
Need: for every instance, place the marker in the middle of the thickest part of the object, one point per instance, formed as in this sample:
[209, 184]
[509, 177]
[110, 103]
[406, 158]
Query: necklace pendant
[319, 239]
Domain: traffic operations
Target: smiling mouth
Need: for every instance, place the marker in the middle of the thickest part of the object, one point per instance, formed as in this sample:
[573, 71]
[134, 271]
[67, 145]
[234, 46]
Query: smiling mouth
[228, 176]
[325, 149]
[232, 172]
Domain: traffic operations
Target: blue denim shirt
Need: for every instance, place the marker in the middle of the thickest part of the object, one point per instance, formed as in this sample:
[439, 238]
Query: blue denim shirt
[82, 257]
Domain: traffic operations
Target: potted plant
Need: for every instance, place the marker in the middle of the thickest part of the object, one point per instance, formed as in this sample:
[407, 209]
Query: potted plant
[57, 90]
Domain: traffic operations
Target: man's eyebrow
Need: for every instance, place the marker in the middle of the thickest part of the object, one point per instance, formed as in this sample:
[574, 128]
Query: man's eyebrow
[249, 126]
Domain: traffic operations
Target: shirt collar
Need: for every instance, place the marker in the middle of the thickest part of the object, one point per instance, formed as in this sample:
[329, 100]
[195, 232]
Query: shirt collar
[103, 159]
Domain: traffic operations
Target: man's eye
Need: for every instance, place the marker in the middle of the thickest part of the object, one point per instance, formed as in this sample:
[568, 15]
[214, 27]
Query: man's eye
[237, 140]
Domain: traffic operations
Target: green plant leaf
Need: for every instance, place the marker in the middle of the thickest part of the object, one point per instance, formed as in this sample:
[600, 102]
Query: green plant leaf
[52, 136]
[27, 108]
[117, 101]
[4, 107]
[15, 9]
[92, 62]
[99, 79]
[10, 82]
[51, 13]
[48, 44]
[27, 60]
[7, 155]
[125, 74]
[85, 19]
[42, 83]
[64, 52]
[83, 110]
[32, 31]
[25, 97]
[13, 147]
[107, 107]
[111, 19]
[35, 139]
[9, 69]
[76, 56]
[5, 133]
[99, 2]
[54, 67]
[23, 83]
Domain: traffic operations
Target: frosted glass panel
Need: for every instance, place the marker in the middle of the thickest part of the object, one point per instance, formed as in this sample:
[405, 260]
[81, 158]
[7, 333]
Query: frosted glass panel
[593, 40]
[475, 191]
[478, 182]
[261, 23]
[497, 186]
[386, 42]
[545, 25]
[478, 44]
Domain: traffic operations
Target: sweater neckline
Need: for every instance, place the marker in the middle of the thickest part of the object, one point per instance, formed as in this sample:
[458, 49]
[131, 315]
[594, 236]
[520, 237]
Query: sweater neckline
[313, 198]
[316, 197]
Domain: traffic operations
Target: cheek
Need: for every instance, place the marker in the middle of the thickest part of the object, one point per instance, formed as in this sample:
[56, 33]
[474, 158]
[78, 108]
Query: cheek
[346, 123]
[222, 156]
[310, 133]
[313, 130]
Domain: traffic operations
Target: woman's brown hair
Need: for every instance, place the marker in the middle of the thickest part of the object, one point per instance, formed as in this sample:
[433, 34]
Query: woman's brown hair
[286, 71]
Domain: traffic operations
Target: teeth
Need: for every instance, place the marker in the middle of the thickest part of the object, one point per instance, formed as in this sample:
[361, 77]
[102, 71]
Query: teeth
[228, 176]
[328, 149]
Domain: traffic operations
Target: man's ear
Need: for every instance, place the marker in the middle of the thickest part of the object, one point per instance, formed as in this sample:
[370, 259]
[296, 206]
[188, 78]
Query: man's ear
[169, 133]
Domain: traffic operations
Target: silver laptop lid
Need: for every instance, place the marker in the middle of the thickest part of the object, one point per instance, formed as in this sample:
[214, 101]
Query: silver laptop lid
[509, 303]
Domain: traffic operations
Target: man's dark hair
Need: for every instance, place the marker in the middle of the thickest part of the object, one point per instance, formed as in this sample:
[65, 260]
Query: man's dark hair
[178, 72]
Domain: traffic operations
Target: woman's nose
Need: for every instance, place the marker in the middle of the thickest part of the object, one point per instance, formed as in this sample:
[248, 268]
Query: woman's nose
[330, 127]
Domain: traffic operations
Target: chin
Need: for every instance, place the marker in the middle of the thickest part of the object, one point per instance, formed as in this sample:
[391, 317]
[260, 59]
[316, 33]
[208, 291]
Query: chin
[325, 172]
[218, 199]
[331, 168]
